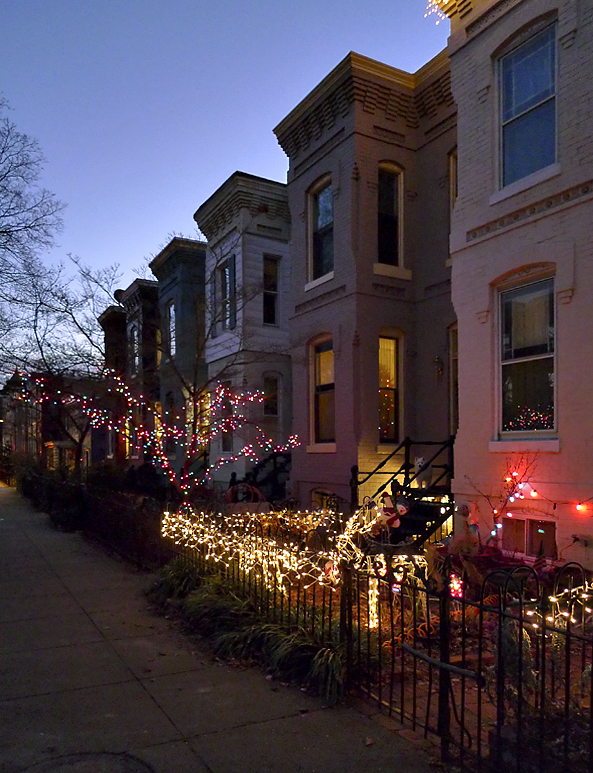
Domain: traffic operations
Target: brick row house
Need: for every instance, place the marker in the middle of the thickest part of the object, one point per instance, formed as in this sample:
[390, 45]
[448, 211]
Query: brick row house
[522, 250]
[424, 272]
[370, 152]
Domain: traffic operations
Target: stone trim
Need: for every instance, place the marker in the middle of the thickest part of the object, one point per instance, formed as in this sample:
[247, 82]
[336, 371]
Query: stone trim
[542, 206]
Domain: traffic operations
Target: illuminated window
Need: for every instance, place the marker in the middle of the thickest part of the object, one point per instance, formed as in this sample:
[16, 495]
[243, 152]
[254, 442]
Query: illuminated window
[388, 390]
[324, 398]
[528, 107]
[389, 215]
[271, 265]
[527, 349]
[228, 294]
[322, 231]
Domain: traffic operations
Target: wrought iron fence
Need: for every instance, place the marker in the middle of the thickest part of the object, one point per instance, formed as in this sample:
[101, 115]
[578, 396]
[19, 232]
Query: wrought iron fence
[499, 672]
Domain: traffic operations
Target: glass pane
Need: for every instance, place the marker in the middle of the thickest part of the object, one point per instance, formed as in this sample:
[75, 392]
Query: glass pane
[528, 321]
[529, 142]
[270, 396]
[388, 232]
[541, 534]
[513, 535]
[528, 395]
[271, 274]
[324, 364]
[387, 363]
[325, 417]
[387, 192]
[270, 308]
[388, 415]
[324, 208]
[528, 74]
[323, 252]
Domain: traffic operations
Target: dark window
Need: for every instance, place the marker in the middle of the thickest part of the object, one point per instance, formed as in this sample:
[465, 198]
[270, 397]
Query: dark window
[324, 418]
[323, 232]
[528, 91]
[388, 217]
[270, 396]
[271, 265]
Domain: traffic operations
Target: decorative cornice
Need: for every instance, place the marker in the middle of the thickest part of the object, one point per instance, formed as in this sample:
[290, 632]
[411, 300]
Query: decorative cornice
[242, 191]
[174, 253]
[377, 88]
[542, 206]
[489, 16]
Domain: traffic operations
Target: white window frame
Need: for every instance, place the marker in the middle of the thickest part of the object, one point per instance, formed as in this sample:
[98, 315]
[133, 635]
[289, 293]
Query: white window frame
[312, 197]
[506, 434]
[524, 41]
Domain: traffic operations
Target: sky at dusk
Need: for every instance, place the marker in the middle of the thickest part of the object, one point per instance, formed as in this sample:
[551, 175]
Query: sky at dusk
[143, 108]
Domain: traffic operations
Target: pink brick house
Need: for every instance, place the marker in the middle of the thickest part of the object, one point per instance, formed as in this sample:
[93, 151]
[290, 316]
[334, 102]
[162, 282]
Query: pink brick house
[522, 270]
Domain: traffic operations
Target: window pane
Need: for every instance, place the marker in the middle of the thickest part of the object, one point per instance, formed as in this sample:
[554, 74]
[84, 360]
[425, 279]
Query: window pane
[323, 233]
[271, 274]
[528, 395]
[269, 309]
[324, 365]
[270, 396]
[388, 231]
[387, 362]
[528, 321]
[324, 393]
[541, 533]
[513, 535]
[324, 208]
[325, 417]
[529, 142]
[528, 74]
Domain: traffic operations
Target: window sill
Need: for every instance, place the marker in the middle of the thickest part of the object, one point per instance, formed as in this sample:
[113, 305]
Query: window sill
[320, 281]
[397, 272]
[321, 448]
[526, 182]
[525, 445]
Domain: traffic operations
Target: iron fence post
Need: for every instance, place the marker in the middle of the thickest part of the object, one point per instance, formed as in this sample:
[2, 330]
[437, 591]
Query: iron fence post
[346, 614]
[444, 712]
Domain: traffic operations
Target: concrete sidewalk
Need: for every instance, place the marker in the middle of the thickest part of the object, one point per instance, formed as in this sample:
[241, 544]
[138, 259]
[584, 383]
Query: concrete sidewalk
[92, 682]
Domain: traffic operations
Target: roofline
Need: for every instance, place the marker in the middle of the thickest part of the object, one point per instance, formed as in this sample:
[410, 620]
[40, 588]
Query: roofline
[227, 187]
[176, 243]
[363, 64]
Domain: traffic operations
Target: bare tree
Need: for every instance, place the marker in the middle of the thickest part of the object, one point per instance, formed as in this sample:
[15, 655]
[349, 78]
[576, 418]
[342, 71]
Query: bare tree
[30, 216]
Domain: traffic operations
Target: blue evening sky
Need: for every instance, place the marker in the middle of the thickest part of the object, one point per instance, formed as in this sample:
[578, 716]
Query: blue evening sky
[144, 107]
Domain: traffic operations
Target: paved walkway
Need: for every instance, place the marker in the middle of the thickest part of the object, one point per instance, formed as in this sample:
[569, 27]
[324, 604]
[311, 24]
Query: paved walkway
[92, 682]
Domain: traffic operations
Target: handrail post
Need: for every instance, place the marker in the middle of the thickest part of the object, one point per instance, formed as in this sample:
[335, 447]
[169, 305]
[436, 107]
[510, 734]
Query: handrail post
[354, 487]
[407, 448]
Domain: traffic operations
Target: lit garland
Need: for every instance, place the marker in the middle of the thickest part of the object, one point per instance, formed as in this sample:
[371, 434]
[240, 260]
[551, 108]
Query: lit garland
[220, 411]
[244, 539]
[438, 8]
